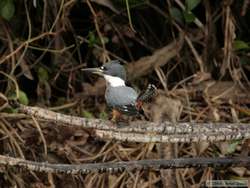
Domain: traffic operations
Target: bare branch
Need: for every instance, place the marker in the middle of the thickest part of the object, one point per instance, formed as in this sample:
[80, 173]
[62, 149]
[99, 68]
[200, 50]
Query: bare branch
[114, 167]
[159, 58]
[172, 138]
[140, 131]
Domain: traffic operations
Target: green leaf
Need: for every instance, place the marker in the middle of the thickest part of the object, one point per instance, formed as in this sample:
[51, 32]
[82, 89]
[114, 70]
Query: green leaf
[103, 115]
[11, 110]
[240, 45]
[188, 16]
[7, 9]
[23, 99]
[92, 39]
[87, 114]
[191, 4]
[43, 74]
[176, 14]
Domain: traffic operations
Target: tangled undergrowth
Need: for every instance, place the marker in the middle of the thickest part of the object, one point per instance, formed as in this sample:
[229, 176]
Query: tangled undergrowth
[196, 53]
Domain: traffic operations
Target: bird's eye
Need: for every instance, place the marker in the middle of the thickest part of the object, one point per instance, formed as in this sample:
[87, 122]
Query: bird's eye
[103, 68]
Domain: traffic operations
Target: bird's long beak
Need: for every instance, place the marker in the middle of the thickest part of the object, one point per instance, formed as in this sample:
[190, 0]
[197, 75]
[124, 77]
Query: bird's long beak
[94, 71]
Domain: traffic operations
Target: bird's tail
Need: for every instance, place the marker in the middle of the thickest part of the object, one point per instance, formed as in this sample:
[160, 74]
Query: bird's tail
[145, 97]
[148, 94]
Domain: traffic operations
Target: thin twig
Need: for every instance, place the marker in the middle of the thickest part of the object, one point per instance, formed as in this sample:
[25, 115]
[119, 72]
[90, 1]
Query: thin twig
[41, 134]
[20, 58]
[97, 27]
[27, 42]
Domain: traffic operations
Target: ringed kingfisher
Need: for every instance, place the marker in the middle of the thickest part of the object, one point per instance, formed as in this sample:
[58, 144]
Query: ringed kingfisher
[119, 97]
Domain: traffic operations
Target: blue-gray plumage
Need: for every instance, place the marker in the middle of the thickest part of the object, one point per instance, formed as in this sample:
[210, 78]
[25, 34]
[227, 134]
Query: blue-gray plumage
[122, 98]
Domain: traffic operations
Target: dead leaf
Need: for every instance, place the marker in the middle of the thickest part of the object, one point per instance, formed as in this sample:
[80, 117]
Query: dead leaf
[201, 77]
[106, 3]
[240, 171]
[26, 70]
[200, 147]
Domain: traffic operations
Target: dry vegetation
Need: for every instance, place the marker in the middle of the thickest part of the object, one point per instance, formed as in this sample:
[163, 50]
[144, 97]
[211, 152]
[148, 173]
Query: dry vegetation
[196, 53]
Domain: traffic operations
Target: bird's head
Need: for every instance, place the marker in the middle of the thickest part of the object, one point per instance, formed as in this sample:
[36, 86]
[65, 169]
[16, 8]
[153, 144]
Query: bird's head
[113, 72]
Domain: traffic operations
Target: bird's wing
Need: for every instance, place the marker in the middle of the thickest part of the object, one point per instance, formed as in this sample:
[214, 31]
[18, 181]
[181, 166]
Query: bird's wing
[127, 109]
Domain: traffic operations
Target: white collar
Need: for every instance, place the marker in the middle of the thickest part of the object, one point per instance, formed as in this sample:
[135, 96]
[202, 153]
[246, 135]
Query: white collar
[114, 81]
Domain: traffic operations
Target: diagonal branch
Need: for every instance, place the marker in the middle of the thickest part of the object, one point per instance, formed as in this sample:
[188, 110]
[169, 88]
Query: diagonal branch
[140, 131]
[159, 58]
[114, 167]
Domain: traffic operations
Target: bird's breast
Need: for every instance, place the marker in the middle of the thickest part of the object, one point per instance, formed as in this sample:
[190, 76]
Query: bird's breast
[118, 96]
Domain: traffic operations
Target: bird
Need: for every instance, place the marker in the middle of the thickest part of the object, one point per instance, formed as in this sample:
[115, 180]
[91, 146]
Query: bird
[120, 98]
